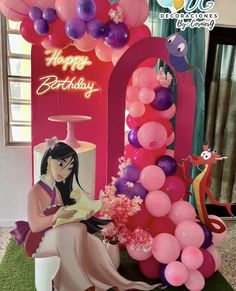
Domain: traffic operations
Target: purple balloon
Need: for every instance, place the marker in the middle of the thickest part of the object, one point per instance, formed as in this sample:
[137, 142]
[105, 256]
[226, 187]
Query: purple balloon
[133, 137]
[35, 13]
[75, 28]
[121, 187]
[163, 99]
[118, 34]
[208, 236]
[96, 28]
[167, 164]
[41, 26]
[86, 9]
[49, 14]
[131, 173]
[137, 190]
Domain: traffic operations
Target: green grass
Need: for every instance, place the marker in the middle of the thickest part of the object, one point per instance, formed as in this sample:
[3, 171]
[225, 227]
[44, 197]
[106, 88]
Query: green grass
[17, 272]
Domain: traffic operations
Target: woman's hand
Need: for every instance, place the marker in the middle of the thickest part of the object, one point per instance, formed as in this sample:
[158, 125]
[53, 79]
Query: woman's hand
[62, 213]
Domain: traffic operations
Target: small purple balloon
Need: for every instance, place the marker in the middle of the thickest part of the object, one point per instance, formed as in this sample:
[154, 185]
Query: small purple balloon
[167, 164]
[75, 28]
[133, 137]
[121, 187]
[49, 14]
[163, 99]
[86, 9]
[131, 173]
[137, 190]
[41, 26]
[118, 34]
[208, 236]
[96, 28]
[35, 13]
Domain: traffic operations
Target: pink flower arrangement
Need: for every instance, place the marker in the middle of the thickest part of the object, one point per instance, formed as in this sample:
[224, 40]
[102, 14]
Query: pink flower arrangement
[164, 79]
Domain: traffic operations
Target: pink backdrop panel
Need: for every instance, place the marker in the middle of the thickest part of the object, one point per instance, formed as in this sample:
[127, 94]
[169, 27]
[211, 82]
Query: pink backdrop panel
[72, 102]
[145, 49]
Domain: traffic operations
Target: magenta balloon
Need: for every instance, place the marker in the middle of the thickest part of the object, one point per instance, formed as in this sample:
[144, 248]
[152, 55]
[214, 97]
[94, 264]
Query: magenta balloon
[192, 257]
[158, 203]
[150, 268]
[195, 280]
[208, 266]
[180, 211]
[176, 273]
[174, 187]
[138, 254]
[28, 32]
[152, 178]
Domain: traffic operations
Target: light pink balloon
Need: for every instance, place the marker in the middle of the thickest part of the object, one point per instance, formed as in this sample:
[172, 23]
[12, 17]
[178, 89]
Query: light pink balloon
[66, 9]
[47, 45]
[126, 137]
[152, 135]
[45, 3]
[192, 257]
[216, 256]
[135, 12]
[138, 254]
[189, 233]
[145, 77]
[146, 95]
[176, 273]
[158, 203]
[218, 238]
[132, 93]
[169, 113]
[152, 177]
[165, 248]
[136, 109]
[170, 153]
[86, 43]
[195, 281]
[15, 10]
[127, 104]
[170, 139]
[180, 211]
[103, 52]
[117, 54]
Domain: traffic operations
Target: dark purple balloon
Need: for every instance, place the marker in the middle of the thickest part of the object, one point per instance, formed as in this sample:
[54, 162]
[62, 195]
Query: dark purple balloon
[75, 28]
[86, 9]
[132, 173]
[121, 187]
[96, 28]
[162, 275]
[133, 137]
[167, 164]
[163, 99]
[208, 236]
[118, 34]
[41, 26]
[35, 13]
[137, 190]
[49, 14]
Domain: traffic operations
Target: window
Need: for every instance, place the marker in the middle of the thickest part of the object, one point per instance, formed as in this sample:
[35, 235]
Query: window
[16, 72]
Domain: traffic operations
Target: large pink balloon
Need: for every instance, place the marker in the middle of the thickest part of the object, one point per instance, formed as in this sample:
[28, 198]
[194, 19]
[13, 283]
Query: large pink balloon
[152, 135]
[165, 248]
[208, 266]
[174, 187]
[218, 238]
[66, 9]
[132, 93]
[15, 10]
[176, 273]
[192, 257]
[103, 52]
[180, 211]
[145, 77]
[195, 281]
[135, 11]
[189, 233]
[150, 268]
[117, 54]
[152, 177]
[136, 109]
[157, 203]
[138, 254]
[45, 3]
[86, 43]
[216, 256]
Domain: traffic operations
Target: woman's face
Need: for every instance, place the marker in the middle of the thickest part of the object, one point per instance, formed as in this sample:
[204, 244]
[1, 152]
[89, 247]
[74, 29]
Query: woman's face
[60, 169]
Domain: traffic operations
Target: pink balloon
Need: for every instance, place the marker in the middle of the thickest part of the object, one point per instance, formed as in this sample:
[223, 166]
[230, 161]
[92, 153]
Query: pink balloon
[169, 113]
[15, 10]
[47, 45]
[157, 203]
[176, 273]
[146, 95]
[218, 238]
[103, 52]
[189, 233]
[135, 11]
[174, 187]
[117, 54]
[180, 211]
[66, 9]
[170, 139]
[152, 135]
[216, 256]
[145, 77]
[195, 281]
[170, 153]
[152, 177]
[150, 268]
[130, 121]
[45, 3]
[208, 266]
[132, 93]
[86, 43]
[165, 248]
[192, 258]
[136, 109]
[138, 254]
